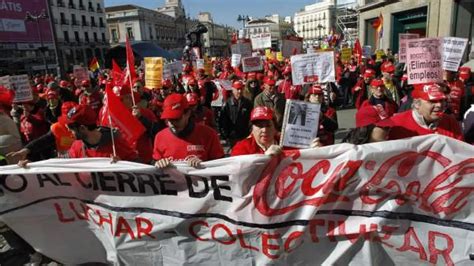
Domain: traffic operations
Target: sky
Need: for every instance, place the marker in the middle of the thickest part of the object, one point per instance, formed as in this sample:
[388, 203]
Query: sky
[226, 11]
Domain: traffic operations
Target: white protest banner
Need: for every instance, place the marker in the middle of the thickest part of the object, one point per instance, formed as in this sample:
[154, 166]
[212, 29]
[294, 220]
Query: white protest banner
[251, 64]
[243, 48]
[261, 41]
[453, 52]
[22, 87]
[367, 51]
[300, 124]
[235, 61]
[5, 81]
[424, 60]
[406, 202]
[307, 68]
[80, 73]
[291, 46]
[402, 43]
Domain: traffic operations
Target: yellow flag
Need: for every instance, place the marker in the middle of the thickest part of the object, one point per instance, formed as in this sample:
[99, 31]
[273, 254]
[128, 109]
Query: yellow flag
[153, 72]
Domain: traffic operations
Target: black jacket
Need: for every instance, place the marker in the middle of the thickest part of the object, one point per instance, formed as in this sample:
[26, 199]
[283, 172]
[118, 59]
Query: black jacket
[235, 118]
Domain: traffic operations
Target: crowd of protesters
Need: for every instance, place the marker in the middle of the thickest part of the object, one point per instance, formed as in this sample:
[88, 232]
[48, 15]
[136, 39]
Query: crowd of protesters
[69, 118]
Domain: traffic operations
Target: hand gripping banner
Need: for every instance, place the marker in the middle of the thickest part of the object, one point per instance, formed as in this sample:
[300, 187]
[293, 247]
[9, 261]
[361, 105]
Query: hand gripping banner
[406, 202]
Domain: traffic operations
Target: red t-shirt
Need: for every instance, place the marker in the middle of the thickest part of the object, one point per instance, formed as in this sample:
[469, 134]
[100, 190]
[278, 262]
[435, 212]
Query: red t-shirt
[246, 146]
[403, 125]
[371, 114]
[203, 142]
[78, 150]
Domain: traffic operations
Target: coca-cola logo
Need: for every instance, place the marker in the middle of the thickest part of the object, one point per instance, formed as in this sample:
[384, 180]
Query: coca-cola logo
[285, 186]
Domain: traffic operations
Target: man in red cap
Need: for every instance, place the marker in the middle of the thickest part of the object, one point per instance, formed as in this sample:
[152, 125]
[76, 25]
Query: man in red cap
[183, 139]
[264, 133]
[426, 117]
[235, 115]
[287, 88]
[53, 108]
[378, 107]
[360, 90]
[93, 141]
[90, 96]
[272, 99]
[252, 87]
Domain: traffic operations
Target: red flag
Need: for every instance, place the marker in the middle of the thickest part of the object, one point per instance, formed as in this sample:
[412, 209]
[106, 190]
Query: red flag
[130, 128]
[117, 74]
[131, 74]
[358, 51]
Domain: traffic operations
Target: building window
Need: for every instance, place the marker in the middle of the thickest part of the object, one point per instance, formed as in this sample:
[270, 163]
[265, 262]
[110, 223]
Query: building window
[84, 22]
[60, 3]
[103, 37]
[76, 36]
[151, 33]
[95, 37]
[73, 19]
[99, 8]
[81, 5]
[93, 22]
[101, 23]
[130, 33]
[90, 7]
[114, 34]
[66, 36]
[71, 4]
[86, 36]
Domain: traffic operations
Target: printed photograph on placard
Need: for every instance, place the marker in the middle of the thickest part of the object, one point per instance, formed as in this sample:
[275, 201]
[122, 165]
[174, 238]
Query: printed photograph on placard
[300, 123]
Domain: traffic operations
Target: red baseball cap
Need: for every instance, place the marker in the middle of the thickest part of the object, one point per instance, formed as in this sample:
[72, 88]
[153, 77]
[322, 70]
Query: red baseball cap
[238, 85]
[81, 114]
[192, 98]
[315, 89]
[261, 113]
[428, 92]
[6, 96]
[63, 84]
[369, 73]
[85, 83]
[388, 69]
[269, 81]
[174, 106]
[377, 83]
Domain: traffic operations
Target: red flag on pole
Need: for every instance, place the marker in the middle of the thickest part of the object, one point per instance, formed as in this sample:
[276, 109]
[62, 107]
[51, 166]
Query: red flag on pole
[358, 51]
[117, 74]
[130, 128]
[130, 62]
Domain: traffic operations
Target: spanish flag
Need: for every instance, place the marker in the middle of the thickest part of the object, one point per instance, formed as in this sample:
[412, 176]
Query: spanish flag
[94, 65]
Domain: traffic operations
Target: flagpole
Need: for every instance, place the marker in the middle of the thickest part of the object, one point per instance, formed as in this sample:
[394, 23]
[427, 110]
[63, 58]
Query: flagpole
[131, 85]
[111, 128]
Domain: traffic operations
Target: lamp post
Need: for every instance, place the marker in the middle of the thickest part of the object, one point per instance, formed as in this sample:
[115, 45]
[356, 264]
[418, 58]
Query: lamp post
[37, 18]
[243, 18]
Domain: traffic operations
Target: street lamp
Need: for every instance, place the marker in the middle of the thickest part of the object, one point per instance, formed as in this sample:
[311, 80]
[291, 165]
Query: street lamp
[37, 18]
[243, 18]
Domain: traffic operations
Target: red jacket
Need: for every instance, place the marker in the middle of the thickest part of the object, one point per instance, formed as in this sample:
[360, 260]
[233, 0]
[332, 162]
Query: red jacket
[403, 125]
[33, 126]
[371, 114]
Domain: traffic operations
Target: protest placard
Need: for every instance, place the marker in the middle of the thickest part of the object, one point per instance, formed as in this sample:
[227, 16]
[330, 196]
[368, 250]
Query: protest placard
[291, 46]
[379, 54]
[222, 86]
[367, 51]
[346, 54]
[207, 66]
[279, 57]
[251, 64]
[300, 124]
[80, 73]
[453, 52]
[309, 68]
[235, 60]
[261, 41]
[200, 63]
[243, 48]
[153, 72]
[424, 60]
[405, 202]
[402, 43]
[22, 87]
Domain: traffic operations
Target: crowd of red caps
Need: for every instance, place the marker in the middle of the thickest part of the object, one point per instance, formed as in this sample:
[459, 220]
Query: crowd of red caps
[70, 118]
